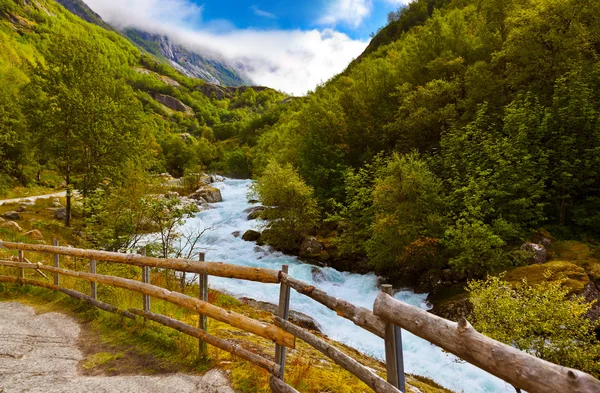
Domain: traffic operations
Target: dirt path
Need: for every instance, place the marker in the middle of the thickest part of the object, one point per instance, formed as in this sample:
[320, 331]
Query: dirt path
[33, 198]
[39, 353]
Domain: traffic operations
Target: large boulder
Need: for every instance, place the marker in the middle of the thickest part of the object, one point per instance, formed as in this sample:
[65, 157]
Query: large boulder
[254, 212]
[208, 194]
[172, 103]
[310, 248]
[544, 238]
[574, 277]
[35, 235]
[12, 215]
[538, 252]
[251, 235]
[11, 225]
[60, 214]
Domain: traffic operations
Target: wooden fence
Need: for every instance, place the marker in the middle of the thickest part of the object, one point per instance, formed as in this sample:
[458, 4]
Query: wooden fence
[386, 320]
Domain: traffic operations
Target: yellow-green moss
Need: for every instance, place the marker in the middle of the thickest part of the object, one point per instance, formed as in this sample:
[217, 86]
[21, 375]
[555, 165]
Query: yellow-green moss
[575, 277]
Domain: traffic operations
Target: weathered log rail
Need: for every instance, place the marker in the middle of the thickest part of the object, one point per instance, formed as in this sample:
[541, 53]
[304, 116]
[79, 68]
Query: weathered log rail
[515, 367]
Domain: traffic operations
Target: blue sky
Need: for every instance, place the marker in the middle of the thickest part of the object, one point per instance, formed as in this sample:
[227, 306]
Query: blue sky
[289, 45]
[290, 14]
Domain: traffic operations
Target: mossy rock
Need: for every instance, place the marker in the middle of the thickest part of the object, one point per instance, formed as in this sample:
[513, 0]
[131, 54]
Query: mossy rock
[579, 254]
[570, 250]
[575, 276]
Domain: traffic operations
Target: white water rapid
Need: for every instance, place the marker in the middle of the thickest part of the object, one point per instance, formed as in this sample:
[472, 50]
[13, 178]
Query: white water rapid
[420, 357]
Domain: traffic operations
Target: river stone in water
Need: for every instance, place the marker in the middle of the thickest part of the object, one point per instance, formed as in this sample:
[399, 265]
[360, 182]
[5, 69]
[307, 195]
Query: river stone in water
[251, 235]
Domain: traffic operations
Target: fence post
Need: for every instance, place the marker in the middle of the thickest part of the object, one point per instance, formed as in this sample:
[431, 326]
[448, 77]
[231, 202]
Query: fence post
[284, 311]
[56, 264]
[393, 351]
[145, 280]
[93, 285]
[203, 295]
[21, 270]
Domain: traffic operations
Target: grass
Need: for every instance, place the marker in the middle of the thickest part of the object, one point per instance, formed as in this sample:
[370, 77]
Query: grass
[114, 345]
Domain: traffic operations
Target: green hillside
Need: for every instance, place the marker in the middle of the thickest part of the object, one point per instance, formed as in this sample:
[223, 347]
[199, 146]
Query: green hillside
[195, 129]
[463, 128]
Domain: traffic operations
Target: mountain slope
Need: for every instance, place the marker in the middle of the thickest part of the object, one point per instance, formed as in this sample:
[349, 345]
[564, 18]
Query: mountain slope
[189, 63]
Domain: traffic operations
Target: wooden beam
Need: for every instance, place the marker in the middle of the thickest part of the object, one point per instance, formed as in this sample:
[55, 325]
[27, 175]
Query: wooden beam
[518, 368]
[225, 345]
[218, 269]
[41, 273]
[278, 386]
[359, 315]
[372, 380]
[270, 332]
[71, 293]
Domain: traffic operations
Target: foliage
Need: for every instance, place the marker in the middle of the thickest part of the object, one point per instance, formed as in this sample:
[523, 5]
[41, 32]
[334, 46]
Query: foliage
[541, 319]
[291, 208]
[409, 204]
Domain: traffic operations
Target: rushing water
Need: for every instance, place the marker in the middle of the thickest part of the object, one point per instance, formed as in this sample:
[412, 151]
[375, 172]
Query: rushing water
[420, 357]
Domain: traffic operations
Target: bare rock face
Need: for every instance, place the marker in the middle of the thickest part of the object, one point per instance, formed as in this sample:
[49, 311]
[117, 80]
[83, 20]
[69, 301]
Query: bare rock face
[13, 215]
[208, 194]
[171, 103]
[11, 225]
[539, 252]
[310, 248]
[35, 235]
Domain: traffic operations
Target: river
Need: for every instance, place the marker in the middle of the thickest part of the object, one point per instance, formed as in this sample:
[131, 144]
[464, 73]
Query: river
[420, 357]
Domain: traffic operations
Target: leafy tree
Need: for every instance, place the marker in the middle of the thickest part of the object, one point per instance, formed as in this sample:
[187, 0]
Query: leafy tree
[543, 320]
[292, 211]
[409, 205]
[88, 121]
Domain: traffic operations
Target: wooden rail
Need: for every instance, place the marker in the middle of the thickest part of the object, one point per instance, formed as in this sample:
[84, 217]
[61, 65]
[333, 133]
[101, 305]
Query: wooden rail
[218, 269]
[515, 367]
[271, 332]
[518, 368]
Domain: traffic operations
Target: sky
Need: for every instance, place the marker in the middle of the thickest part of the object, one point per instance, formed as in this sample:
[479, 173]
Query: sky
[288, 45]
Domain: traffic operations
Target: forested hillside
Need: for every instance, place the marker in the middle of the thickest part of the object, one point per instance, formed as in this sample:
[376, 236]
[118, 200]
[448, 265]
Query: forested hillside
[51, 59]
[450, 145]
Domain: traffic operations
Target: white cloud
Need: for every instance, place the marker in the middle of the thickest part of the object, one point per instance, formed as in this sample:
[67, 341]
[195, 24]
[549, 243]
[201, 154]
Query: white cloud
[293, 61]
[263, 13]
[351, 12]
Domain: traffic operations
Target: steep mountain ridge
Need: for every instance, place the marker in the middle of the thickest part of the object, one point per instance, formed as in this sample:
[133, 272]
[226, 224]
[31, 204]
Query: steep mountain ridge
[189, 63]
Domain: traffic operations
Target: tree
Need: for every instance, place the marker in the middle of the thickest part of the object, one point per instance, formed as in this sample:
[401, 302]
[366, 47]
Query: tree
[543, 320]
[292, 211]
[409, 206]
[87, 120]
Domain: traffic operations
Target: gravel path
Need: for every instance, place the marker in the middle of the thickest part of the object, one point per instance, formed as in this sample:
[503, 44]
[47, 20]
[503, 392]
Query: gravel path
[33, 198]
[38, 353]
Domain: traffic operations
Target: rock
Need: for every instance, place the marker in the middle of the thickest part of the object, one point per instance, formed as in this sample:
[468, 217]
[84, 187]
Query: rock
[544, 238]
[236, 234]
[574, 277]
[297, 318]
[251, 235]
[27, 202]
[310, 248]
[253, 201]
[21, 209]
[171, 103]
[35, 235]
[539, 253]
[172, 194]
[208, 193]
[56, 204]
[318, 275]
[11, 225]
[56, 200]
[591, 294]
[60, 214]
[13, 215]
[254, 212]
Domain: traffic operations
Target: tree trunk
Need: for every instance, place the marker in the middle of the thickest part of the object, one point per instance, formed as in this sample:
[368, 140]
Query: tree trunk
[68, 208]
